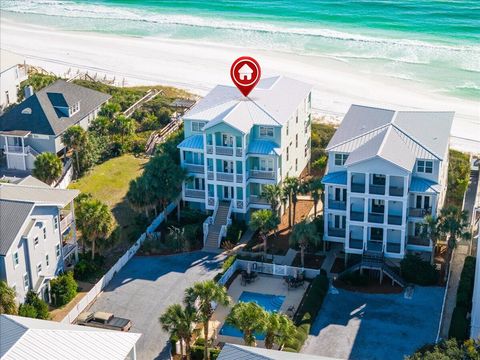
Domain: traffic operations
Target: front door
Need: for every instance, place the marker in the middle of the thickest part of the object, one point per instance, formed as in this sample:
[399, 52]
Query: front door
[228, 192]
[426, 202]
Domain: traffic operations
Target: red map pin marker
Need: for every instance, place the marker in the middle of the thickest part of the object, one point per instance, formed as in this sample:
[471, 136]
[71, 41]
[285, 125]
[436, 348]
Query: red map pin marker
[245, 73]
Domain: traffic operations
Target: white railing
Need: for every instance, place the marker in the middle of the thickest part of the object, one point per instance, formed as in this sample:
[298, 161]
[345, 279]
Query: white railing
[261, 174]
[32, 151]
[224, 228]
[104, 281]
[14, 149]
[195, 193]
[224, 150]
[208, 221]
[194, 168]
[221, 176]
[255, 199]
[66, 221]
[228, 274]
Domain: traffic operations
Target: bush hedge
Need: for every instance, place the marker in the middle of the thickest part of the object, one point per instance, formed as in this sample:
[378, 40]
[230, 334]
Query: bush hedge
[196, 353]
[459, 325]
[34, 307]
[63, 289]
[418, 271]
[307, 312]
[87, 269]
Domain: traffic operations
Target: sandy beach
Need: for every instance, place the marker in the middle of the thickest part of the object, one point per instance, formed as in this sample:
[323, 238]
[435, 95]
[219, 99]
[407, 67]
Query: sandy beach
[197, 67]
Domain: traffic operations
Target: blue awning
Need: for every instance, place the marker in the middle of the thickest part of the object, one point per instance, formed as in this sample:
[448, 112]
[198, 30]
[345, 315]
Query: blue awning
[192, 142]
[263, 147]
[337, 178]
[423, 186]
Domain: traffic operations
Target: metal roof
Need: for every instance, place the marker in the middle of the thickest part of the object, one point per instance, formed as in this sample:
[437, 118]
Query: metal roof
[192, 142]
[338, 178]
[13, 215]
[426, 133]
[240, 352]
[32, 181]
[44, 118]
[421, 185]
[25, 338]
[263, 147]
[272, 102]
[37, 194]
[387, 145]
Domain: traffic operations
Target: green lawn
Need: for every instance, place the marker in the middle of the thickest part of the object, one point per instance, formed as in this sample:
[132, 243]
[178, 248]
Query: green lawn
[108, 182]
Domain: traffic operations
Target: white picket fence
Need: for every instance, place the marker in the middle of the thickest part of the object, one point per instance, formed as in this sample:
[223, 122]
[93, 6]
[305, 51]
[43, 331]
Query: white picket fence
[266, 268]
[105, 280]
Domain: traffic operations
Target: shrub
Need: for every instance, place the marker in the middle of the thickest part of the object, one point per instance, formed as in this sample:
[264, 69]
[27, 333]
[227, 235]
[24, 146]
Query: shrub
[235, 231]
[34, 307]
[354, 278]
[87, 269]
[458, 177]
[465, 286]
[459, 324]
[196, 353]
[27, 310]
[63, 289]
[418, 271]
[313, 299]
[287, 349]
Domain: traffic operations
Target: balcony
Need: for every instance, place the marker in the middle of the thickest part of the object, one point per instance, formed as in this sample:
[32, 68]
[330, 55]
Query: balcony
[395, 191]
[357, 188]
[262, 174]
[210, 175]
[239, 178]
[376, 189]
[66, 218]
[418, 241]
[375, 218]
[224, 150]
[337, 205]
[227, 177]
[393, 247]
[394, 220]
[356, 215]
[373, 245]
[13, 149]
[336, 232]
[195, 193]
[418, 212]
[209, 149]
[255, 199]
[194, 168]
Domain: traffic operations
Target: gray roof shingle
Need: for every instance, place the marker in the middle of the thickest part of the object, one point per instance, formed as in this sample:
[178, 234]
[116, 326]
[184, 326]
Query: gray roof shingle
[13, 215]
[44, 117]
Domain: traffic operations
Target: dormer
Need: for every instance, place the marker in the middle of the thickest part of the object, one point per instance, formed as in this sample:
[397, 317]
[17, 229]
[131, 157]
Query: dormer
[61, 105]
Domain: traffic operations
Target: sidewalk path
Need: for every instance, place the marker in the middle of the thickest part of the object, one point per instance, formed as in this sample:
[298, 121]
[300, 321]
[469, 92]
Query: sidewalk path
[459, 255]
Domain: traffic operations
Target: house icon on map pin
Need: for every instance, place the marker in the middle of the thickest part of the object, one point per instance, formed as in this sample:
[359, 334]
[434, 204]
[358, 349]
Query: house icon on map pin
[245, 72]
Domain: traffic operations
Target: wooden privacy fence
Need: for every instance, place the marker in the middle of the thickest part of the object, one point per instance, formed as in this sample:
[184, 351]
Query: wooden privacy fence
[105, 280]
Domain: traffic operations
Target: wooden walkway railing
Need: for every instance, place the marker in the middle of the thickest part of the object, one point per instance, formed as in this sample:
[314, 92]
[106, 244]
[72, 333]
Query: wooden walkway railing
[158, 137]
[148, 96]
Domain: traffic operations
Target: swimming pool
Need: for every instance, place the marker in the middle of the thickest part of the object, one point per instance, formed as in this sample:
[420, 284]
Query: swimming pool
[271, 303]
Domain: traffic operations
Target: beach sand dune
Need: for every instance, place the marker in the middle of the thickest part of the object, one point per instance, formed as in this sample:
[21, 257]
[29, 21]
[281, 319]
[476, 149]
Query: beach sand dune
[200, 66]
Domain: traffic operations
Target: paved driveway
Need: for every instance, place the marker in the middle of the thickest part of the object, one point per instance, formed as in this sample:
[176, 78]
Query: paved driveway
[370, 327]
[146, 286]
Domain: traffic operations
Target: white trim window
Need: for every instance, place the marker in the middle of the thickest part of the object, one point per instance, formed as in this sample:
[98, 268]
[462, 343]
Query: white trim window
[45, 233]
[425, 166]
[35, 241]
[266, 131]
[47, 260]
[16, 260]
[340, 159]
[197, 126]
[57, 250]
[39, 268]
[26, 282]
[266, 164]
[55, 222]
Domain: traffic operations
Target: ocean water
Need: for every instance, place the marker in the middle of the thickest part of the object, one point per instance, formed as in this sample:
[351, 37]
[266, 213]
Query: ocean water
[434, 42]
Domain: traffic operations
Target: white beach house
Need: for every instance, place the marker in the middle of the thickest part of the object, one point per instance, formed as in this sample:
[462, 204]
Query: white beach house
[386, 170]
[235, 145]
[12, 73]
[36, 124]
[37, 235]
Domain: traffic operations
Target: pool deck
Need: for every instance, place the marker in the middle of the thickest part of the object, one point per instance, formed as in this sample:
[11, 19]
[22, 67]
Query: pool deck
[265, 284]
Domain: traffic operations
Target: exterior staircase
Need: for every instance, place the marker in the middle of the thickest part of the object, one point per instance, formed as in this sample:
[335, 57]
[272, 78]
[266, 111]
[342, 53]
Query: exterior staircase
[373, 260]
[217, 226]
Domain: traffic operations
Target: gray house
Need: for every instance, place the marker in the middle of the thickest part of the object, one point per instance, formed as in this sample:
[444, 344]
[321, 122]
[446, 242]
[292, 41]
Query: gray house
[36, 125]
[37, 235]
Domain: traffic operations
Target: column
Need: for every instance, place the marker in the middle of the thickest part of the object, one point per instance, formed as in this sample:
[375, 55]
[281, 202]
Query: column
[387, 185]
[24, 155]
[403, 238]
[385, 213]
[384, 240]
[365, 236]
[366, 205]
[367, 183]
[6, 150]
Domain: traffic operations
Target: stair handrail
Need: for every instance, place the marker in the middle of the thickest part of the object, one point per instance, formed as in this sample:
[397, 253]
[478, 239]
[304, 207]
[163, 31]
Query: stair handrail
[224, 228]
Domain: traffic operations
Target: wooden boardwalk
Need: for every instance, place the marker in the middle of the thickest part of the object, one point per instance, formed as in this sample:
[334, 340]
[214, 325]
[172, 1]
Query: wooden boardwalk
[158, 137]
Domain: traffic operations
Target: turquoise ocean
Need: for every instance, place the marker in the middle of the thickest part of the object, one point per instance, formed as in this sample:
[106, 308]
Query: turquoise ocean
[433, 42]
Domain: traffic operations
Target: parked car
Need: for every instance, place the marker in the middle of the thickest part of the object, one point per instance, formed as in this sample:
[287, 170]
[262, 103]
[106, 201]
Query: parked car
[104, 320]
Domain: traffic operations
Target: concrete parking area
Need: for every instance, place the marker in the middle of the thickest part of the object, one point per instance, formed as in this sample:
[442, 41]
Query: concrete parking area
[146, 286]
[360, 326]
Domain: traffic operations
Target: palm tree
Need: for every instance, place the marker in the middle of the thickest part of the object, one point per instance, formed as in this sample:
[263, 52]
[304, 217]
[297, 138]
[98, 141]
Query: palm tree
[431, 231]
[124, 127]
[100, 126]
[138, 195]
[272, 193]
[74, 138]
[264, 221]
[303, 234]
[179, 321]
[292, 188]
[315, 188]
[95, 221]
[201, 295]
[278, 329]
[249, 318]
[48, 167]
[8, 304]
[454, 224]
[109, 110]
